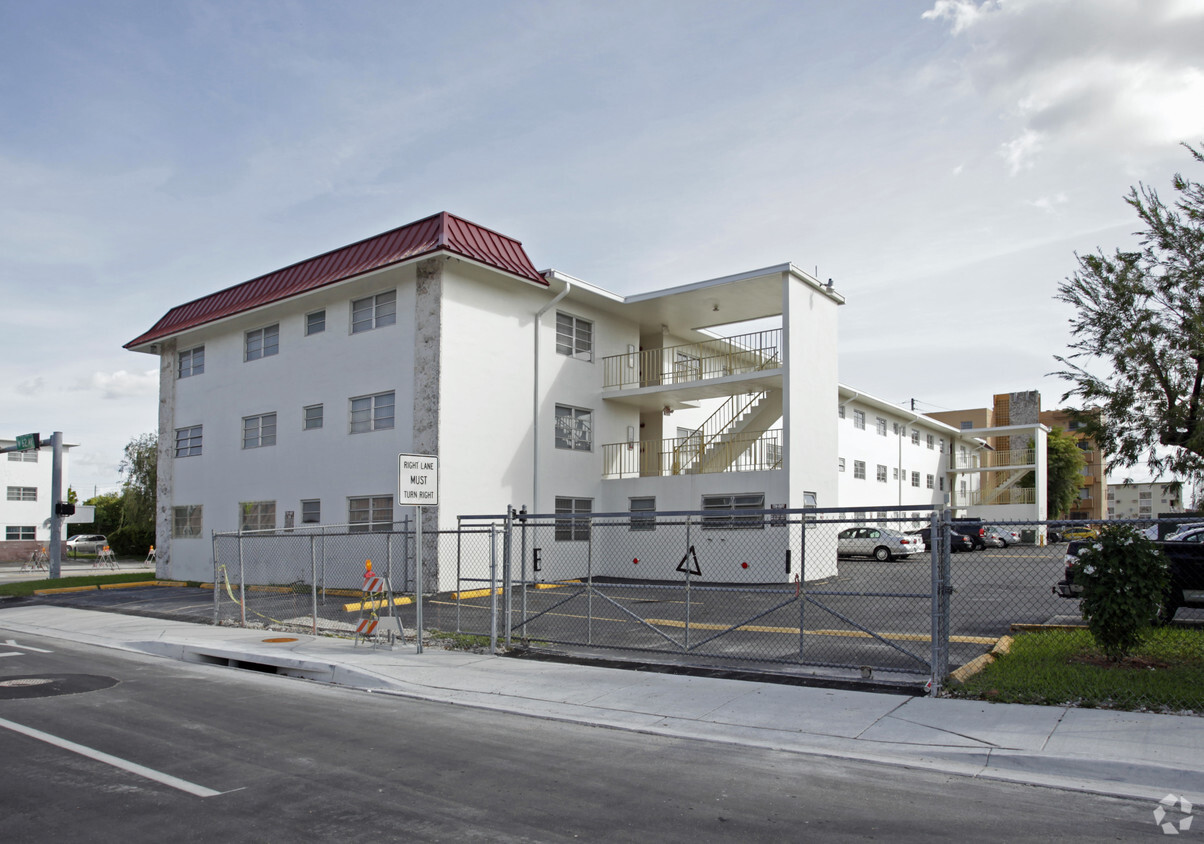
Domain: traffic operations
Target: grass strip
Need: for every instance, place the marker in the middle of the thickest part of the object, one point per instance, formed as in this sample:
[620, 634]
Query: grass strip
[1064, 668]
[28, 587]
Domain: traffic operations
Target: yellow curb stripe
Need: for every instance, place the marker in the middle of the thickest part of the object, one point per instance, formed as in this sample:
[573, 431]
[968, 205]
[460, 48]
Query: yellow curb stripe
[971, 668]
[135, 583]
[374, 605]
[854, 634]
[61, 589]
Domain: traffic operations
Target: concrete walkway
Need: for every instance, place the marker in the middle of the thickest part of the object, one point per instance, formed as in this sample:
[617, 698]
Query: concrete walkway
[1125, 754]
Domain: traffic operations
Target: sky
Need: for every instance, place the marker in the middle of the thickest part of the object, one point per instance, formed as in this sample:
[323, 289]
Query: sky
[942, 161]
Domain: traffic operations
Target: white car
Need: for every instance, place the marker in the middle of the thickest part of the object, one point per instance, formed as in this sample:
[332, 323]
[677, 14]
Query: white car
[86, 543]
[1194, 534]
[878, 542]
[1004, 536]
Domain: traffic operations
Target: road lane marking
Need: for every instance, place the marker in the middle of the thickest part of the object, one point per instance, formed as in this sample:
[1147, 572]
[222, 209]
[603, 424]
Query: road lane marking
[12, 653]
[12, 643]
[116, 762]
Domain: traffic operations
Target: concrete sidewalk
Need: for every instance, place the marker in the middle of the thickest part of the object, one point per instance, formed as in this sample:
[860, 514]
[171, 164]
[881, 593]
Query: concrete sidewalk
[1124, 754]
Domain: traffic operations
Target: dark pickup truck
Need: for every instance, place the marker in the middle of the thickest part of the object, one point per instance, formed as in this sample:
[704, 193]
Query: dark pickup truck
[1186, 560]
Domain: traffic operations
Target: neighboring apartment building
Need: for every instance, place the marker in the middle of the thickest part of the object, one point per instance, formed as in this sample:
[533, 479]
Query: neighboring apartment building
[1144, 500]
[285, 400]
[1092, 503]
[25, 508]
[889, 457]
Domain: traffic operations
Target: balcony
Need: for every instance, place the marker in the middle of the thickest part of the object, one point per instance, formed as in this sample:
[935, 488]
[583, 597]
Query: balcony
[690, 363]
[1011, 495]
[686, 456]
[1021, 458]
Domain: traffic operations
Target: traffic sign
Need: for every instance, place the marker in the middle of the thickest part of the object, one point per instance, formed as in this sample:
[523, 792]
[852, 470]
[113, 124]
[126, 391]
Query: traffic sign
[28, 442]
[418, 479]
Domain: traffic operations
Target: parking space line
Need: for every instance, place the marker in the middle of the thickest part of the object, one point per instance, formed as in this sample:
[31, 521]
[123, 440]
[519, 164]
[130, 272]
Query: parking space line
[854, 634]
[116, 762]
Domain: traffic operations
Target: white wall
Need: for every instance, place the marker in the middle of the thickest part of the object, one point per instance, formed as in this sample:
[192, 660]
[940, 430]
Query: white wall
[37, 474]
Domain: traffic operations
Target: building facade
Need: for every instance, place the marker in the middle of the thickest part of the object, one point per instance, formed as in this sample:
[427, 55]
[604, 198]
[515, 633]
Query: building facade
[1144, 500]
[25, 510]
[286, 400]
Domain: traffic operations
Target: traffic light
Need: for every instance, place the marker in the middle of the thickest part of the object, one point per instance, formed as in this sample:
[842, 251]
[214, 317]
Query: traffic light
[64, 508]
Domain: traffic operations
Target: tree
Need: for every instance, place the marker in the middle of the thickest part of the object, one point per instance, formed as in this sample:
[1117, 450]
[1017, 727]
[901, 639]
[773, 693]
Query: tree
[1143, 314]
[1063, 472]
[140, 467]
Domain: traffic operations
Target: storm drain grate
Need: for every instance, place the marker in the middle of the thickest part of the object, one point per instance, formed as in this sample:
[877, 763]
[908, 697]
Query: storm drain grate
[21, 682]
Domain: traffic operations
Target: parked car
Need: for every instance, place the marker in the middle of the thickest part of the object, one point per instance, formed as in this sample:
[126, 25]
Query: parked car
[973, 528]
[878, 542]
[957, 541]
[1078, 532]
[1191, 534]
[86, 543]
[1185, 561]
[1003, 537]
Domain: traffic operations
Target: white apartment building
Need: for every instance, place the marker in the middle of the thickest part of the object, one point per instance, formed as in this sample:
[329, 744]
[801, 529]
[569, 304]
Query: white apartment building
[1144, 500]
[26, 506]
[285, 400]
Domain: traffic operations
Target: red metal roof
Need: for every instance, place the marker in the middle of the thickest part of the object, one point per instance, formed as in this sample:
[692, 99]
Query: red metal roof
[441, 232]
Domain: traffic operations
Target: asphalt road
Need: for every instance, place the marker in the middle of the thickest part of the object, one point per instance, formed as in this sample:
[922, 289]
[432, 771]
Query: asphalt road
[112, 746]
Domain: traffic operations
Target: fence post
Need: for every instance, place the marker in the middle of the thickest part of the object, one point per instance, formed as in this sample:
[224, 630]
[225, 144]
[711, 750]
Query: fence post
[492, 588]
[939, 528]
[217, 592]
[507, 580]
[242, 583]
[313, 580]
[459, 569]
[685, 572]
[801, 580]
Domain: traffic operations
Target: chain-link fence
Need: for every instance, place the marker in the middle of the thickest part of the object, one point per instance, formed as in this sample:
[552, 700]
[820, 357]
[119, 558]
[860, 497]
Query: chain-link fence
[893, 595]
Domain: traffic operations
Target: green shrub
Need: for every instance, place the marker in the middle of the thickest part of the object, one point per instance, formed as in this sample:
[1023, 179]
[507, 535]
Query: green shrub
[1124, 578]
[130, 541]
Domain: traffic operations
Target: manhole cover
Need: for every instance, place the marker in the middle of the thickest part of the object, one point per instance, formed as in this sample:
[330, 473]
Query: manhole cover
[281, 639]
[51, 685]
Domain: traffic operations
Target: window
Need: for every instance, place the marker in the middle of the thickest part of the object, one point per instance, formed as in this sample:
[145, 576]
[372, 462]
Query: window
[881, 426]
[915, 479]
[374, 312]
[859, 470]
[372, 413]
[859, 419]
[262, 342]
[191, 362]
[941, 482]
[941, 445]
[22, 493]
[898, 429]
[840, 463]
[686, 367]
[315, 323]
[574, 428]
[642, 505]
[574, 336]
[17, 533]
[257, 515]
[962, 488]
[894, 474]
[915, 437]
[186, 521]
[930, 481]
[311, 417]
[258, 431]
[729, 504]
[370, 513]
[1145, 496]
[931, 440]
[881, 473]
[966, 426]
[188, 441]
[840, 411]
[23, 456]
[1085, 493]
[311, 512]
[568, 529]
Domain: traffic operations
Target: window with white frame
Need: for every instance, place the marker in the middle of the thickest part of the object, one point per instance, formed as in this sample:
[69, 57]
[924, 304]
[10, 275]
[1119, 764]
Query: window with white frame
[962, 488]
[881, 473]
[881, 426]
[259, 431]
[859, 419]
[188, 441]
[370, 513]
[372, 413]
[574, 336]
[722, 511]
[898, 429]
[574, 428]
[262, 342]
[840, 463]
[190, 362]
[23, 457]
[930, 481]
[568, 529]
[18, 533]
[931, 440]
[22, 493]
[315, 322]
[915, 437]
[257, 515]
[186, 521]
[915, 479]
[859, 470]
[374, 312]
[941, 445]
[311, 511]
[894, 473]
[840, 411]
[941, 481]
[643, 506]
[311, 417]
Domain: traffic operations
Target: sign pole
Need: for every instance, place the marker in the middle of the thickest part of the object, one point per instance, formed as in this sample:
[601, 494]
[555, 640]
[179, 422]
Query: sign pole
[56, 495]
[418, 573]
[418, 485]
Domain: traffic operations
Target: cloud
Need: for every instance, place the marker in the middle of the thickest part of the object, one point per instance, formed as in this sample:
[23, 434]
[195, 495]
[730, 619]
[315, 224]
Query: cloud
[31, 386]
[1049, 203]
[123, 385]
[1076, 75]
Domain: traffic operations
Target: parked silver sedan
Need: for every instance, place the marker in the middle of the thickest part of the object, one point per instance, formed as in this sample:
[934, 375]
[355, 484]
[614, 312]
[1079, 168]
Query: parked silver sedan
[878, 542]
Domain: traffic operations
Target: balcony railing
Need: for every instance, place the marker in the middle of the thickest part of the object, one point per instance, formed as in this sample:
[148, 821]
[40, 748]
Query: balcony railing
[685, 456]
[1011, 495]
[993, 459]
[693, 361]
